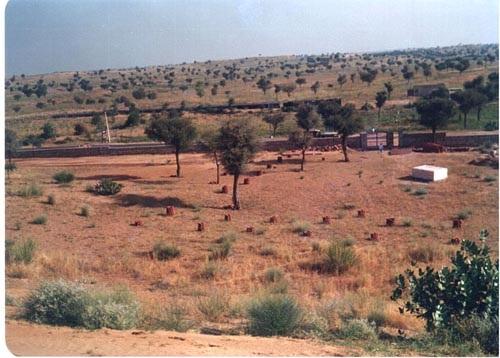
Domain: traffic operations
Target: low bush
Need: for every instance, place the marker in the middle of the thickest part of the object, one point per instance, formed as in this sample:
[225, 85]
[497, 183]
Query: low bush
[490, 178]
[30, 190]
[349, 206]
[220, 251]
[420, 192]
[213, 306]
[163, 251]
[300, 227]
[107, 187]
[51, 199]
[22, 251]
[273, 275]
[268, 251]
[171, 318]
[85, 211]
[464, 214]
[424, 253]
[274, 315]
[407, 222]
[40, 220]
[67, 304]
[339, 258]
[357, 329]
[63, 177]
[210, 270]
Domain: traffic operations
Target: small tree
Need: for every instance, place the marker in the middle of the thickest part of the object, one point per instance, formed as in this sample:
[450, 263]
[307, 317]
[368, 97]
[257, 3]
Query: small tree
[315, 87]
[388, 88]
[199, 89]
[368, 75]
[172, 130]
[435, 113]
[307, 119]
[451, 296]
[274, 120]
[48, 131]
[380, 99]
[288, 88]
[264, 84]
[208, 142]
[347, 124]
[237, 143]
[465, 101]
[342, 79]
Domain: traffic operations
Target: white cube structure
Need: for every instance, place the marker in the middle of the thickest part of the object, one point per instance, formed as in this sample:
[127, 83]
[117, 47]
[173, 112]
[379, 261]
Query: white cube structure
[429, 173]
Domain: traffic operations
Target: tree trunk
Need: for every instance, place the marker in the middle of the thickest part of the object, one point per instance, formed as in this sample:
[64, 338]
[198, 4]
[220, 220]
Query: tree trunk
[218, 166]
[303, 159]
[178, 164]
[236, 200]
[379, 109]
[275, 128]
[434, 135]
[344, 148]
[465, 120]
[479, 113]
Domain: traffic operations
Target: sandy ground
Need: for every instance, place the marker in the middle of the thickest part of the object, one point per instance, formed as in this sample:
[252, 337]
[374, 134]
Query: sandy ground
[62, 341]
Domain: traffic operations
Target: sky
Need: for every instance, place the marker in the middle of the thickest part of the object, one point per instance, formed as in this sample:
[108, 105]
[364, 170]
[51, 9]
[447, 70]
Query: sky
[43, 36]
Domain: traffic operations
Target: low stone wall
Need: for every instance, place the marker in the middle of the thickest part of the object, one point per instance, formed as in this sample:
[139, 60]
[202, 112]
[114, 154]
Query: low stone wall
[466, 140]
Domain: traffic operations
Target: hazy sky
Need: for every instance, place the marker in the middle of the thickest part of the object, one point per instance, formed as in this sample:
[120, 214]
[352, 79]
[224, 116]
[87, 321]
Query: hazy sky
[60, 35]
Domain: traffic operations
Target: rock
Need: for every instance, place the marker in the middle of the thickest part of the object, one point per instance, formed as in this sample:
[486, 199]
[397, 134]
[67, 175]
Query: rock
[201, 227]
[227, 217]
[326, 220]
[224, 189]
[273, 219]
[249, 229]
[246, 181]
[280, 159]
[374, 236]
[457, 223]
[390, 221]
[170, 210]
[361, 213]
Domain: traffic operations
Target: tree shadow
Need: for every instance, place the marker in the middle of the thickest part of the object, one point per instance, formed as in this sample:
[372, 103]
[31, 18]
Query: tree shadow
[413, 179]
[110, 176]
[152, 182]
[148, 201]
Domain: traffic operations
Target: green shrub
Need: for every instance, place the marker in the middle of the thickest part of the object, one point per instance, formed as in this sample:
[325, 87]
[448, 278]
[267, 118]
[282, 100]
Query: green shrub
[213, 306]
[273, 275]
[377, 317]
[490, 178]
[349, 206]
[163, 251]
[268, 251]
[227, 237]
[407, 189]
[316, 246]
[30, 190]
[339, 258]
[274, 315]
[63, 177]
[107, 187]
[85, 211]
[464, 214]
[40, 220]
[300, 227]
[420, 192]
[210, 270]
[67, 304]
[453, 294]
[172, 318]
[51, 199]
[347, 242]
[279, 287]
[89, 188]
[22, 251]
[407, 222]
[220, 251]
[10, 167]
[357, 329]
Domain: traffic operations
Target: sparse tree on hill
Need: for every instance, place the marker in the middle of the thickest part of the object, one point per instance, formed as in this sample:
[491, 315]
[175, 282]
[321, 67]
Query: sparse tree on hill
[315, 87]
[274, 120]
[435, 113]
[300, 81]
[465, 101]
[346, 124]
[353, 77]
[368, 75]
[48, 131]
[342, 79]
[380, 99]
[199, 89]
[408, 75]
[288, 88]
[277, 90]
[237, 143]
[388, 88]
[11, 144]
[264, 84]
[172, 130]
[307, 119]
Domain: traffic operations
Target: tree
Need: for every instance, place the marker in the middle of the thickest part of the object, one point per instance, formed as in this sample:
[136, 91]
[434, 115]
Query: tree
[368, 75]
[48, 131]
[452, 296]
[346, 124]
[353, 77]
[380, 99]
[408, 75]
[274, 120]
[11, 144]
[133, 119]
[277, 89]
[174, 130]
[315, 87]
[199, 89]
[342, 79]
[139, 93]
[264, 84]
[97, 122]
[237, 143]
[465, 101]
[435, 113]
[328, 110]
[388, 88]
[300, 81]
[307, 119]
[288, 88]
[208, 143]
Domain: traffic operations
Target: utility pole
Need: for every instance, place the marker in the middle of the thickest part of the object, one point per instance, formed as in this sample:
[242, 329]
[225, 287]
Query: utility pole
[107, 127]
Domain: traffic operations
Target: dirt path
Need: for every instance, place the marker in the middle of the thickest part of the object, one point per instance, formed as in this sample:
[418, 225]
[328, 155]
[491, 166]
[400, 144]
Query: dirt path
[28, 339]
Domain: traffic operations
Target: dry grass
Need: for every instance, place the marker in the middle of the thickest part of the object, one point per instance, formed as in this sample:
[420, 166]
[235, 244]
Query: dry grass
[105, 248]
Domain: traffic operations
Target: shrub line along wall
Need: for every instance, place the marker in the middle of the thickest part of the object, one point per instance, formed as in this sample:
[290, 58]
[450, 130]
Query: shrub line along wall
[356, 141]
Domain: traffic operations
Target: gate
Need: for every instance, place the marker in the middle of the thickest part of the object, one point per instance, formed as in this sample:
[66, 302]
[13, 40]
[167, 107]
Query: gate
[374, 139]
